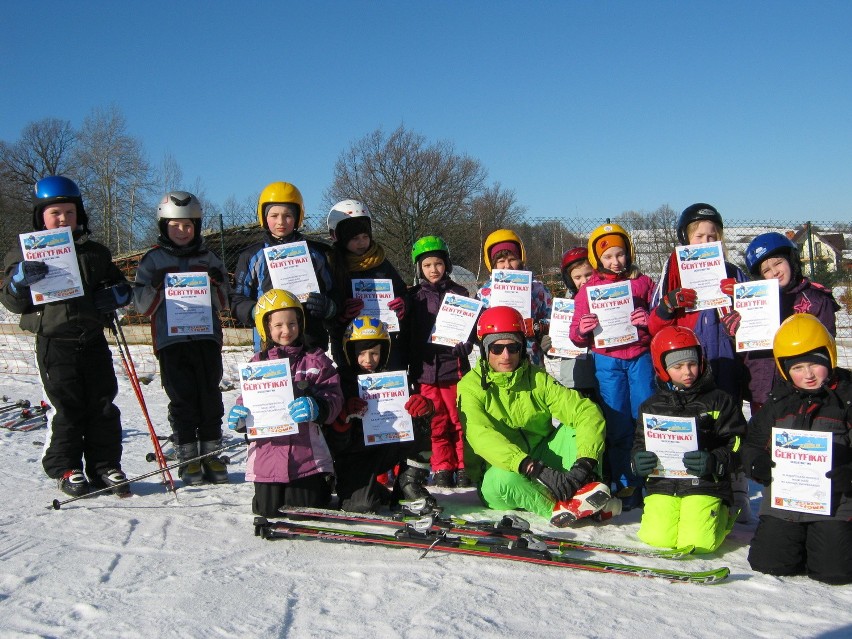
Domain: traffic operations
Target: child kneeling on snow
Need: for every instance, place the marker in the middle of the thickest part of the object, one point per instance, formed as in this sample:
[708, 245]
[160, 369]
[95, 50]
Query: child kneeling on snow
[294, 470]
[693, 511]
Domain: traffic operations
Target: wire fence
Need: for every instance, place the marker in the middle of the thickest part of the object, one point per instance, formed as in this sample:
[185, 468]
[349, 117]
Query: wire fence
[824, 247]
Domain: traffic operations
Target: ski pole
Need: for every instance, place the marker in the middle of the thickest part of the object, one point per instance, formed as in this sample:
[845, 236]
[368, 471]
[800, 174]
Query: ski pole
[57, 504]
[130, 370]
[18, 403]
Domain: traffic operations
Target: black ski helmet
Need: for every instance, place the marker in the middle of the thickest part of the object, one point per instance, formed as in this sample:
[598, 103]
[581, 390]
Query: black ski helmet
[696, 213]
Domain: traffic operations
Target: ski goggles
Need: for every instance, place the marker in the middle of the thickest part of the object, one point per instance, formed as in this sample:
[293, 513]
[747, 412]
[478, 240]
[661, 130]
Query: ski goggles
[497, 349]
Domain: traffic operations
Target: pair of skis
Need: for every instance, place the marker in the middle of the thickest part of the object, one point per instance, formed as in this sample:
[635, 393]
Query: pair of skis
[509, 538]
[27, 419]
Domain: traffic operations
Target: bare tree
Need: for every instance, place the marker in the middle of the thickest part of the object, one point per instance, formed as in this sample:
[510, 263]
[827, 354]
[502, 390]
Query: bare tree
[412, 187]
[170, 174]
[116, 176]
[494, 208]
[654, 236]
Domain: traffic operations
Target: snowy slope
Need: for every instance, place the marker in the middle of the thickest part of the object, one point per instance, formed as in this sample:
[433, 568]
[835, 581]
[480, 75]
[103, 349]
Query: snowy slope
[152, 566]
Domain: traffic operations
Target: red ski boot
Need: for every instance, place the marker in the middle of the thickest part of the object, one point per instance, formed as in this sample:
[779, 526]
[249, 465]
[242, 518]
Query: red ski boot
[586, 502]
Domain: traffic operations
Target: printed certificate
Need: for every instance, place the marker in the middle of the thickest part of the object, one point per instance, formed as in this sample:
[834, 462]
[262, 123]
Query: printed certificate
[376, 295]
[189, 310]
[560, 325]
[802, 458]
[455, 320]
[512, 288]
[267, 391]
[54, 247]
[757, 303]
[613, 304]
[670, 437]
[386, 420]
[290, 268]
[702, 268]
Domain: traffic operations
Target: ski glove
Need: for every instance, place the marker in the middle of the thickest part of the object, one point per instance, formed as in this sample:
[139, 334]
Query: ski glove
[419, 406]
[562, 485]
[320, 306]
[588, 323]
[28, 273]
[397, 305]
[644, 462]
[351, 308]
[680, 298]
[304, 409]
[639, 317]
[701, 463]
[237, 418]
[841, 479]
[462, 350]
[546, 344]
[354, 408]
[338, 435]
[216, 275]
[111, 298]
[761, 469]
[727, 286]
[731, 322]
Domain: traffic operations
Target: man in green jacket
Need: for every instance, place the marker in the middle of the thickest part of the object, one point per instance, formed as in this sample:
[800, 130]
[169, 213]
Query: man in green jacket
[513, 452]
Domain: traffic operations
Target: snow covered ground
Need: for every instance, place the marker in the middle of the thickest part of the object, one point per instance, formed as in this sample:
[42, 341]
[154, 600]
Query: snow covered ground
[156, 566]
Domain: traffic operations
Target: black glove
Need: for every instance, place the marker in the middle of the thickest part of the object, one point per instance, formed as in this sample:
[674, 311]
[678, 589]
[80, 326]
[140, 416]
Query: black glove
[216, 275]
[111, 298]
[318, 305]
[562, 485]
[841, 479]
[462, 350]
[158, 277]
[644, 462]
[761, 469]
[338, 436]
[701, 463]
[28, 273]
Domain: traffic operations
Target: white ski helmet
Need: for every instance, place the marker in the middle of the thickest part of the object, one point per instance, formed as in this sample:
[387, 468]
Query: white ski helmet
[177, 205]
[346, 210]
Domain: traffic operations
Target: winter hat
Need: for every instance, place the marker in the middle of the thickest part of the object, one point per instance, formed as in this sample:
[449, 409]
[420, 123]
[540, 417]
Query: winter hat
[818, 356]
[512, 247]
[489, 339]
[680, 355]
[347, 229]
[607, 241]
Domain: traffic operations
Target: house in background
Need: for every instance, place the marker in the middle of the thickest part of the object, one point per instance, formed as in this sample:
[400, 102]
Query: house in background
[821, 249]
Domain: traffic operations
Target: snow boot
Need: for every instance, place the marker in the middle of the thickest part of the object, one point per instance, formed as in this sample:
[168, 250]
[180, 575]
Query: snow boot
[411, 484]
[215, 470]
[443, 479]
[462, 480]
[191, 474]
[739, 486]
[73, 483]
[116, 476]
[590, 499]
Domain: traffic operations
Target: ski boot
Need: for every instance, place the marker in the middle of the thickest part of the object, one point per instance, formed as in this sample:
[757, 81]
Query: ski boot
[443, 479]
[588, 500]
[411, 484]
[73, 483]
[191, 474]
[214, 469]
[462, 480]
[115, 478]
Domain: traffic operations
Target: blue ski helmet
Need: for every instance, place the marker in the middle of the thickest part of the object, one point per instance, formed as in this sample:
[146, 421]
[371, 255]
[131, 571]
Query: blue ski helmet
[57, 189]
[766, 245]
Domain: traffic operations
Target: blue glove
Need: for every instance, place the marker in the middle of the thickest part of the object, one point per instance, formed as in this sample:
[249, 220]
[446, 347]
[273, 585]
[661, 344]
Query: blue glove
[700, 463]
[320, 306]
[237, 418]
[110, 298]
[644, 462]
[304, 409]
[28, 273]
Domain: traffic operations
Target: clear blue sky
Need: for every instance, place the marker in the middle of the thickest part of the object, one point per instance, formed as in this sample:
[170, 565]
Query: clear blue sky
[584, 109]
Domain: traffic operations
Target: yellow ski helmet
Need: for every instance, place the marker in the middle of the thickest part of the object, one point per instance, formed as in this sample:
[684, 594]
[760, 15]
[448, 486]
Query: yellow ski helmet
[799, 334]
[366, 329]
[280, 193]
[273, 300]
[498, 237]
[598, 241]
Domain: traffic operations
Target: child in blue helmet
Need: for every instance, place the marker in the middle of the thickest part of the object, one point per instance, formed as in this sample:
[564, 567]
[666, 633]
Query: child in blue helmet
[74, 360]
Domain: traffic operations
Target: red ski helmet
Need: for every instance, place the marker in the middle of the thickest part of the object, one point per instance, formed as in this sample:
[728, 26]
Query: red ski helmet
[673, 338]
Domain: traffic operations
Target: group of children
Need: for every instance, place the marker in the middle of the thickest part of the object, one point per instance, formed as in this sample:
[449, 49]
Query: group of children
[682, 365]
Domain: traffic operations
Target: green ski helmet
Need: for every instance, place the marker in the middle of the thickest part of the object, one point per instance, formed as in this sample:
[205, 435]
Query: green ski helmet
[429, 246]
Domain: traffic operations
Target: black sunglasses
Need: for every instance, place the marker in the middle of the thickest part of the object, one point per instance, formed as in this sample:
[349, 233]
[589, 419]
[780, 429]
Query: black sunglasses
[497, 349]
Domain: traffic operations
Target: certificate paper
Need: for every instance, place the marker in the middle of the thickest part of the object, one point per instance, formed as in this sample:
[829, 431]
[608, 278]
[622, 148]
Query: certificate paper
[702, 268]
[757, 303]
[54, 247]
[512, 288]
[560, 325]
[802, 458]
[613, 304]
[669, 438]
[376, 295]
[455, 320]
[267, 391]
[189, 310]
[386, 419]
[291, 269]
